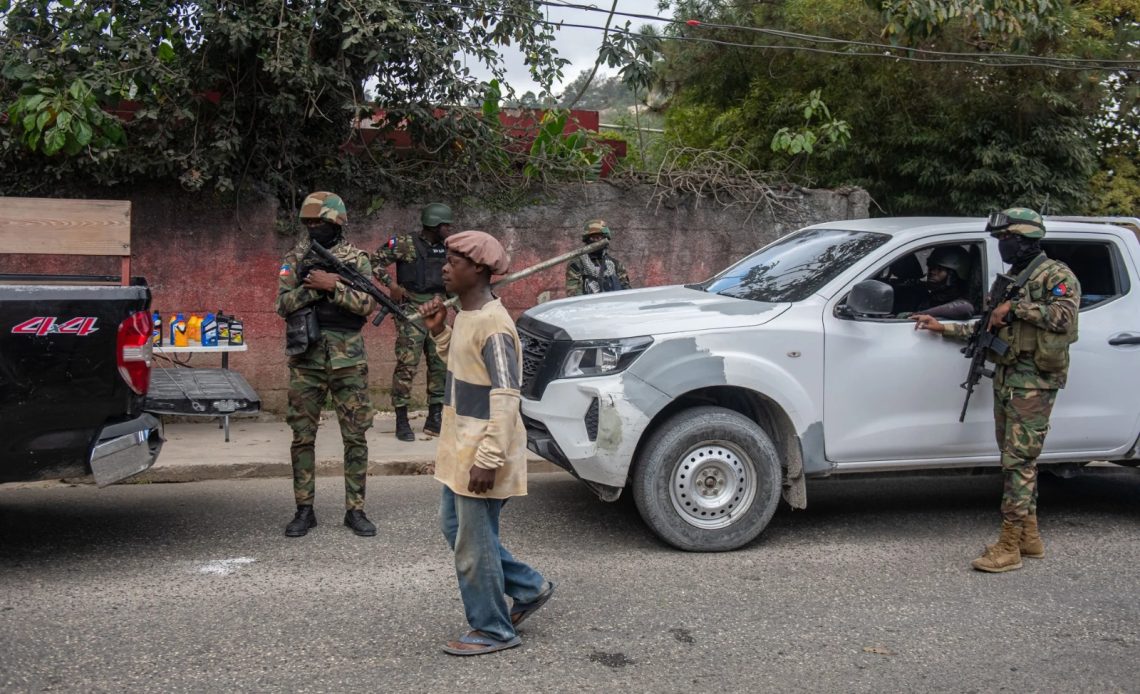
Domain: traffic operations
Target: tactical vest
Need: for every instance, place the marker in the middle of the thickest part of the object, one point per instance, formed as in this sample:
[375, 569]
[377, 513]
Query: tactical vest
[333, 317]
[1050, 350]
[599, 277]
[425, 276]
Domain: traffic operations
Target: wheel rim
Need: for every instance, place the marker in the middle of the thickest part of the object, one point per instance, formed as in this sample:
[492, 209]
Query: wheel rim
[712, 485]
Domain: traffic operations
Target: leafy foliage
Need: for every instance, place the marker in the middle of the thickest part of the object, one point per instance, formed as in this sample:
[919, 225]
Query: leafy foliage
[943, 137]
[228, 95]
[831, 132]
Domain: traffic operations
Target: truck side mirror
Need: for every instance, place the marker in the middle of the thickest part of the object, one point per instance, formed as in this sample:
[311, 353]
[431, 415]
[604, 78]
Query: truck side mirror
[871, 298]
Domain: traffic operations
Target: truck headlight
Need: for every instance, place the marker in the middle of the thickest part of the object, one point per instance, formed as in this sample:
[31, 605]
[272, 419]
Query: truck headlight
[603, 357]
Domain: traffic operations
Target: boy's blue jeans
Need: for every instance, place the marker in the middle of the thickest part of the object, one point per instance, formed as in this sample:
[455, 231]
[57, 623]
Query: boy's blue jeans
[486, 570]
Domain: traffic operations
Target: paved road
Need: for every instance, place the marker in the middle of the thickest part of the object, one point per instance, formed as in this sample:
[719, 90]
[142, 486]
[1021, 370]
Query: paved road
[192, 587]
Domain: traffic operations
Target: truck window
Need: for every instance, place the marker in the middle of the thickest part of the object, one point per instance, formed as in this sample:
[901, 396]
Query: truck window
[908, 275]
[794, 267]
[1097, 266]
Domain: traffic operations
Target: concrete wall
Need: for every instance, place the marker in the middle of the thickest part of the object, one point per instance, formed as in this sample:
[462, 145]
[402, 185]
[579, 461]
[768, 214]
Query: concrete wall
[197, 258]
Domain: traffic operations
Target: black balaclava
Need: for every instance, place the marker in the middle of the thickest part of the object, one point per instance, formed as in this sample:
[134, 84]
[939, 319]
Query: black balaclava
[1018, 251]
[598, 254]
[327, 234]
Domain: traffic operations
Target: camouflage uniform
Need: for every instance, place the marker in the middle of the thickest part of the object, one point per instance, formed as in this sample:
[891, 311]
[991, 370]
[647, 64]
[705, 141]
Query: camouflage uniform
[584, 275]
[410, 343]
[587, 275]
[1024, 393]
[336, 365]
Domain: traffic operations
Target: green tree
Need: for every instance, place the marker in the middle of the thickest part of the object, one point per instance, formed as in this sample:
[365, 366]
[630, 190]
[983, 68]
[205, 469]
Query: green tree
[945, 136]
[228, 94]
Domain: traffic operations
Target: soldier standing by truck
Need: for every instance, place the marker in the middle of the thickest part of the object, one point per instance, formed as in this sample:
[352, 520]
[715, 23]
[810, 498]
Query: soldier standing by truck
[323, 321]
[419, 260]
[1038, 323]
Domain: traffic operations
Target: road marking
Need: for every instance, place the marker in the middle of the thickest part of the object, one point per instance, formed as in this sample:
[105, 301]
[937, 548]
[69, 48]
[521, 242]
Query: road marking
[223, 567]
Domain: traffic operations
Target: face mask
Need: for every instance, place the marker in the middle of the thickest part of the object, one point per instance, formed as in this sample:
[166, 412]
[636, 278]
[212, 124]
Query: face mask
[1008, 248]
[326, 234]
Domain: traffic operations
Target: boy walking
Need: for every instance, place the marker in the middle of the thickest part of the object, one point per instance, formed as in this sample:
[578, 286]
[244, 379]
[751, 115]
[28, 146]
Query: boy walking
[481, 458]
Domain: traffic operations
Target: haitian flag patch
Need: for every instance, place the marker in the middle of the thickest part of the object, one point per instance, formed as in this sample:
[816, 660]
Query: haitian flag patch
[392, 242]
[1060, 290]
[285, 271]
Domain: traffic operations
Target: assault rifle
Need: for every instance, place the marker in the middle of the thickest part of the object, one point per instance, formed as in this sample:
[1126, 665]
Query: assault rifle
[352, 277]
[983, 340]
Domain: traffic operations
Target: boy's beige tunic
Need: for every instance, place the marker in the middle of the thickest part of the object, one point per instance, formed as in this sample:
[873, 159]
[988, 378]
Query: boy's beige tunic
[481, 421]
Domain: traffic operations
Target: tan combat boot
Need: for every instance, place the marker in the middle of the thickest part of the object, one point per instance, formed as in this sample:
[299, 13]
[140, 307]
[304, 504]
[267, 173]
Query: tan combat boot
[1004, 555]
[1031, 544]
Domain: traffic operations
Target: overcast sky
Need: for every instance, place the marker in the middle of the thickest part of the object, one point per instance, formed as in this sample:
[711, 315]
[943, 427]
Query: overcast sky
[579, 46]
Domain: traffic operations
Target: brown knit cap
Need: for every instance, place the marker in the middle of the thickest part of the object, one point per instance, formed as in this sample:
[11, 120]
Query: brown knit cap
[481, 248]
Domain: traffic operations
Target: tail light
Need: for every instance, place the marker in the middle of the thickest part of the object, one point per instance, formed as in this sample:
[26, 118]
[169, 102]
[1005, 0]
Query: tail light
[135, 352]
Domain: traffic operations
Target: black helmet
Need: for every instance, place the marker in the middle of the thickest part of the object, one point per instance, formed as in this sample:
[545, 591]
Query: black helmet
[953, 258]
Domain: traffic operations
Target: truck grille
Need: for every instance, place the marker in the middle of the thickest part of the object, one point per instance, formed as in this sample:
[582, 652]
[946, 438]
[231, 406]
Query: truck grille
[534, 349]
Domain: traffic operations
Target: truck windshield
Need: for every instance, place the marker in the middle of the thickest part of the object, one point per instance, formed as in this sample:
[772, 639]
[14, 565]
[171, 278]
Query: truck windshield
[795, 267]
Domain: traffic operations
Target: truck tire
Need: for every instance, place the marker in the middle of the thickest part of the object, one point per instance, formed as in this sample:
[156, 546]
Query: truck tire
[707, 480]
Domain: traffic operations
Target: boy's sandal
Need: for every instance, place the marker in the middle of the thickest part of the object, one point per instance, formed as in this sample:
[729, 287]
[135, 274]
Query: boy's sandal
[486, 643]
[521, 612]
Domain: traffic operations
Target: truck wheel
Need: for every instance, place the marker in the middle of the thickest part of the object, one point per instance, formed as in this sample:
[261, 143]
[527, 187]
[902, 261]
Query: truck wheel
[707, 480]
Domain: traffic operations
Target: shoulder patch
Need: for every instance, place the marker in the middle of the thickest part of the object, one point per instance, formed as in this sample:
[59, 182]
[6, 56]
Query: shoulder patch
[1061, 289]
[391, 243]
[285, 271]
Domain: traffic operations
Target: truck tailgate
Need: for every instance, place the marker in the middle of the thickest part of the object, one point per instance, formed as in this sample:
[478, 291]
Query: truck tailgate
[194, 391]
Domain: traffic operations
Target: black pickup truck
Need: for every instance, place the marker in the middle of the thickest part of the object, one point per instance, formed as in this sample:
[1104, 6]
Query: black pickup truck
[75, 362]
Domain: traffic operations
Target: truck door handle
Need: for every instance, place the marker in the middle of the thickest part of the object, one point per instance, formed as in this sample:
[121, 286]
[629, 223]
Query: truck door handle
[1124, 339]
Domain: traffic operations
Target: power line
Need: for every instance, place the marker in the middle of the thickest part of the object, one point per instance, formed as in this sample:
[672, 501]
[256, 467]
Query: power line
[1007, 60]
[851, 42]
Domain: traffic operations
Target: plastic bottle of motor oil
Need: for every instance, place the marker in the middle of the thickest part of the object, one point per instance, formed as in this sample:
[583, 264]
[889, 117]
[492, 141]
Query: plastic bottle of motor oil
[237, 331]
[194, 328]
[156, 332]
[209, 331]
[178, 335]
[223, 328]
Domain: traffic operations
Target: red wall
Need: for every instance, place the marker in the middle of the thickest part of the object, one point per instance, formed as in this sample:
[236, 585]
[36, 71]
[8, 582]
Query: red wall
[196, 257]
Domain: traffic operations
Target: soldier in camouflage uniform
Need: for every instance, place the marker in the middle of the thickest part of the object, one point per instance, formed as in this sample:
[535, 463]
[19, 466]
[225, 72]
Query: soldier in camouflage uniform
[599, 271]
[1039, 325]
[333, 363]
[419, 260]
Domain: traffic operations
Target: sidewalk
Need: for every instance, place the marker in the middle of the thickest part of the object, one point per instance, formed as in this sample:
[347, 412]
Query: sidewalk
[198, 451]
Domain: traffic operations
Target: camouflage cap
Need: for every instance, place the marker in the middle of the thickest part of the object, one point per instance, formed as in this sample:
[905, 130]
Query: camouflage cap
[326, 206]
[1017, 220]
[595, 226]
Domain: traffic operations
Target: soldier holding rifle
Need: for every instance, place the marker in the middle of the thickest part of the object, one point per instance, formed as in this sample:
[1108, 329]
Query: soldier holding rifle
[1030, 321]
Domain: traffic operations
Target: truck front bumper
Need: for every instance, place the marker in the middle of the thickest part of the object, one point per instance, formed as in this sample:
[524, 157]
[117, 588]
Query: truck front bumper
[126, 449]
[591, 426]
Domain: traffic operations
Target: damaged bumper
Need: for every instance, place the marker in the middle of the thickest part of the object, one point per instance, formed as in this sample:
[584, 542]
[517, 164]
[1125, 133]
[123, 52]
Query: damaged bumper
[126, 449]
[589, 426]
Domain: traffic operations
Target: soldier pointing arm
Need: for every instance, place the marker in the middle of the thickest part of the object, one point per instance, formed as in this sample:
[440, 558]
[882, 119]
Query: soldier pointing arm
[1039, 324]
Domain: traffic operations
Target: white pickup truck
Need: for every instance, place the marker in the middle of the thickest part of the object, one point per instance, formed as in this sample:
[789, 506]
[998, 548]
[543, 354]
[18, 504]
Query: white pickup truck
[708, 400]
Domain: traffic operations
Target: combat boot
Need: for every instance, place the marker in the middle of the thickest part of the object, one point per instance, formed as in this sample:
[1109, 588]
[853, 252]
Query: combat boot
[403, 429]
[299, 526]
[1031, 544]
[359, 523]
[1003, 555]
[434, 420]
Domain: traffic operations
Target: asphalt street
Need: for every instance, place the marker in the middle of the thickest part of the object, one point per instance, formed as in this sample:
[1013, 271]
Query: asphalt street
[193, 587]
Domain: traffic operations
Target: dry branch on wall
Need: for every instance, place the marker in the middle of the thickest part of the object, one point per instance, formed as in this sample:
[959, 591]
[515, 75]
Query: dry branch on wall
[724, 178]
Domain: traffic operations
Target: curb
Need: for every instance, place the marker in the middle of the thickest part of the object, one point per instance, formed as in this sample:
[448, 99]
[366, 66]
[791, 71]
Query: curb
[272, 469]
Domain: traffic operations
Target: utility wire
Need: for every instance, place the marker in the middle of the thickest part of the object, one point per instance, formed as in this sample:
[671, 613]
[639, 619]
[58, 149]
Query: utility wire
[884, 51]
[827, 39]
